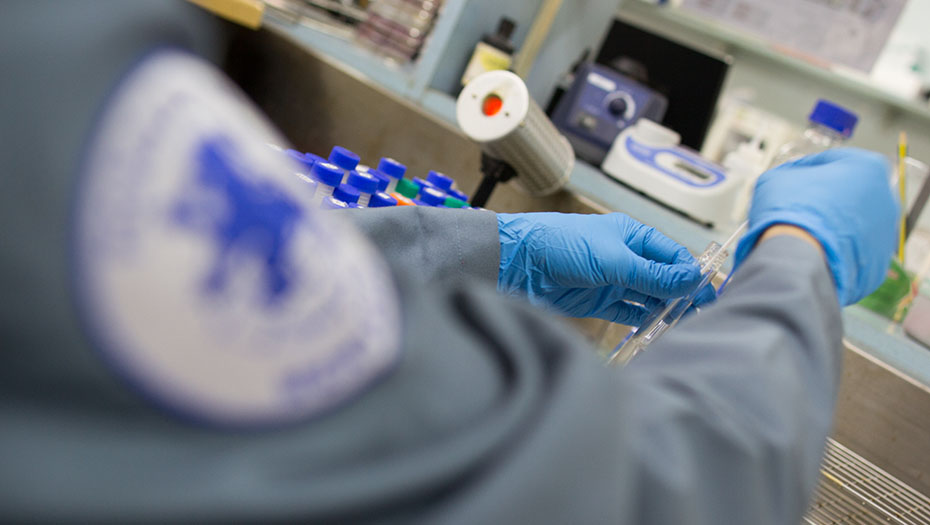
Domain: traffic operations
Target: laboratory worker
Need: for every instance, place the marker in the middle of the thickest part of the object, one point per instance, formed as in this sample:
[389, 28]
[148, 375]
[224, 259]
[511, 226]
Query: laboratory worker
[184, 338]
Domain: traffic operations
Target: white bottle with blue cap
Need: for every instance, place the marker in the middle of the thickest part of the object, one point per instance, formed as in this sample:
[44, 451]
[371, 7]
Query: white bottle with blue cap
[329, 176]
[345, 159]
[347, 194]
[365, 183]
[829, 125]
[394, 171]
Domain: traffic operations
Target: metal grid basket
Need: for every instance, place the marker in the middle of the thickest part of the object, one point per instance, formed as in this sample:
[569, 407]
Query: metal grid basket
[854, 491]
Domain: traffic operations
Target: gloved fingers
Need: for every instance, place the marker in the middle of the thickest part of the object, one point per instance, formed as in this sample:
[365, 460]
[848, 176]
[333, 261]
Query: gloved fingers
[705, 296]
[653, 244]
[623, 312]
[871, 159]
[661, 280]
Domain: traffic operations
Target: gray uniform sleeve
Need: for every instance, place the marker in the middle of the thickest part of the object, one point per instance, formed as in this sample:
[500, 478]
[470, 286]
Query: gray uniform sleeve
[434, 244]
[732, 409]
[722, 421]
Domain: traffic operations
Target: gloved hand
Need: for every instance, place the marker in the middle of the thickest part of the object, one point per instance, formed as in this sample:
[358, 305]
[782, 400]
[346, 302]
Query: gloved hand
[593, 265]
[843, 199]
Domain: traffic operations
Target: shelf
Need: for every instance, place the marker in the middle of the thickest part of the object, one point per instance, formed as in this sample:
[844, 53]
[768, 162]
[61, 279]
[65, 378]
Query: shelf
[407, 80]
[669, 21]
[875, 335]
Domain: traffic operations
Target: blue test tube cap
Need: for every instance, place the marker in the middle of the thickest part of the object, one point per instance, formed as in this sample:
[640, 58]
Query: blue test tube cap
[313, 158]
[343, 158]
[422, 183]
[392, 168]
[346, 193]
[362, 181]
[383, 180]
[834, 116]
[332, 203]
[300, 158]
[327, 173]
[432, 196]
[458, 195]
[382, 200]
[440, 180]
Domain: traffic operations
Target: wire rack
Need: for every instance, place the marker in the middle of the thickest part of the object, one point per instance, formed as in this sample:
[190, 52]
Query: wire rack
[854, 491]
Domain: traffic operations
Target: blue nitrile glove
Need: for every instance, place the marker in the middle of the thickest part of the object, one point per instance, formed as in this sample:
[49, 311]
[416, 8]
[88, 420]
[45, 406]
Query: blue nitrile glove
[843, 199]
[593, 265]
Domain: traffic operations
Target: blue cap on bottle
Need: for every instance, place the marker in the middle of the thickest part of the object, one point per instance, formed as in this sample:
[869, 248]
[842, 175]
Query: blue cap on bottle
[440, 180]
[422, 183]
[458, 195]
[354, 205]
[314, 158]
[327, 173]
[363, 182]
[834, 116]
[343, 158]
[300, 158]
[381, 200]
[383, 180]
[432, 196]
[332, 203]
[346, 193]
[392, 168]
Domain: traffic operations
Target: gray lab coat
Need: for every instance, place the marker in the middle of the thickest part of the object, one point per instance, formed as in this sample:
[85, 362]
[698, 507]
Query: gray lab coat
[496, 413]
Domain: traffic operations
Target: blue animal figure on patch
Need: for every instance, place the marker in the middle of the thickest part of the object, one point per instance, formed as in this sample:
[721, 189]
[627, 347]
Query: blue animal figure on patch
[245, 217]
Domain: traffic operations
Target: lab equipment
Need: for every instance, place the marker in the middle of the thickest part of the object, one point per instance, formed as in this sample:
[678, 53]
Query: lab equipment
[829, 125]
[691, 79]
[346, 193]
[493, 52]
[329, 176]
[818, 194]
[738, 122]
[600, 104]
[396, 29]
[591, 265]
[393, 169]
[648, 157]
[664, 317]
[432, 196]
[365, 183]
[382, 200]
[516, 138]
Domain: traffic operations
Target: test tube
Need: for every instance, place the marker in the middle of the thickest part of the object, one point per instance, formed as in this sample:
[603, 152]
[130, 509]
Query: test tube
[394, 170]
[346, 193]
[343, 158]
[332, 203]
[382, 200]
[365, 183]
[407, 188]
[440, 180]
[661, 319]
[432, 197]
[329, 176]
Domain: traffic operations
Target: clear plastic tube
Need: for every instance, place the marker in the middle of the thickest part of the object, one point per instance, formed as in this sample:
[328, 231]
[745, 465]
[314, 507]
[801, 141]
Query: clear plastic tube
[661, 319]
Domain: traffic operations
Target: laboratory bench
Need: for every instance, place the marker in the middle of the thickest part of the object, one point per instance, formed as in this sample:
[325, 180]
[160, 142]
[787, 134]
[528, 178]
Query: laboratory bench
[322, 95]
